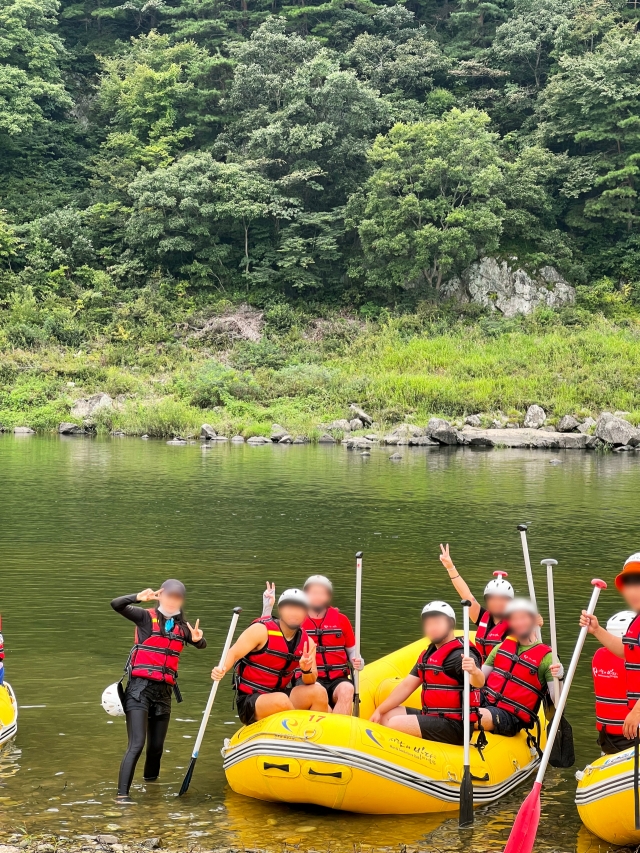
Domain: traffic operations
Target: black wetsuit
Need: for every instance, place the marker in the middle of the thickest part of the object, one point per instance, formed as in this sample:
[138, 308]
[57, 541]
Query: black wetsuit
[147, 704]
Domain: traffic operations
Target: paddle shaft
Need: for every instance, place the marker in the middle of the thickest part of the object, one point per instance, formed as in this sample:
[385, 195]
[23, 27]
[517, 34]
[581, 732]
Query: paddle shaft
[356, 673]
[527, 567]
[552, 629]
[562, 701]
[214, 688]
[467, 686]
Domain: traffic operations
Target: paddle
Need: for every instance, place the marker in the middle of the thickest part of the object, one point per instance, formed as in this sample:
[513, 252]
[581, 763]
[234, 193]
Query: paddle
[525, 827]
[356, 674]
[207, 711]
[527, 566]
[466, 786]
[550, 563]
[636, 773]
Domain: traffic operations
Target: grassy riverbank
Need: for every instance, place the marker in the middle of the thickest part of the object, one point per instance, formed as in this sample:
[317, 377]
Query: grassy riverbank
[243, 369]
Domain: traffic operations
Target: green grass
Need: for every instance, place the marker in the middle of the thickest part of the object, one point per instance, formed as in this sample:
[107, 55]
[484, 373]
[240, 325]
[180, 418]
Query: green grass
[405, 367]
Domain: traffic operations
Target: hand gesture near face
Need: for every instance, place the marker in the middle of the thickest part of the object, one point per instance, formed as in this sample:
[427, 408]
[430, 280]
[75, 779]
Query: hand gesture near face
[269, 595]
[196, 632]
[308, 659]
[149, 594]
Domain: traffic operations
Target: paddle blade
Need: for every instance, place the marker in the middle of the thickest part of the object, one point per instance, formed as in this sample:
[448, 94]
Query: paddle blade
[525, 827]
[187, 779]
[466, 799]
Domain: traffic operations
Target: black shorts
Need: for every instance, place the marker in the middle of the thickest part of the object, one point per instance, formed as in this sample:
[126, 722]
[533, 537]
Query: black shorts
[610, 744]
[151, 696]
[330, 685]
[246, 705]
[438, 729]
[504, 723]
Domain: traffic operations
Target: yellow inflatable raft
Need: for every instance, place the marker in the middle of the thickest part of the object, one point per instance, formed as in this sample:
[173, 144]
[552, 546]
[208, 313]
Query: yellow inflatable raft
[351, 764]
[8, 713]
[605, 799]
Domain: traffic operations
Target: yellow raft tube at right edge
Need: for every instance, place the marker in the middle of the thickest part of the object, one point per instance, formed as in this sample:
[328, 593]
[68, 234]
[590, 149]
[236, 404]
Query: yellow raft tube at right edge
[350, 764]
[605, 799]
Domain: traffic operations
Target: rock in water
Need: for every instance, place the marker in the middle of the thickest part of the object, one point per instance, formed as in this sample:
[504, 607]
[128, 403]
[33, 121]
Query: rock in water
[535, 417]
[326, 439]
[615, 431]
[497, 286]
[395, 457]
[207, 432]
[23, 431]
[442, 431]
[237, 439]
[568, 424]
[366, 419]
[178, 442]
[70, 429]
[277, 432]
[341, 423]
[257, 440]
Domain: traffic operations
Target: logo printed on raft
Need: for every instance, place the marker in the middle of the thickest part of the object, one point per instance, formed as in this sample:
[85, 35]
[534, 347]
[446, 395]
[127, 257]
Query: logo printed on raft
[421, 752]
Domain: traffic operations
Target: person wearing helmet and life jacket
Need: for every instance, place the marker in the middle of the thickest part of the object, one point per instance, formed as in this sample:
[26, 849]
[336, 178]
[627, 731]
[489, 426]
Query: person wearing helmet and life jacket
[265, 658]
[490, 621]
[518, 673]
[627, 648]
[161, 634]
[335, 641]
[610, 685]
[439, 672]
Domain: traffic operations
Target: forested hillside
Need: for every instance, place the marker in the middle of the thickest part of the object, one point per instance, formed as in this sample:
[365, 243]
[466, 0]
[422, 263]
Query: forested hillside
[162, 159]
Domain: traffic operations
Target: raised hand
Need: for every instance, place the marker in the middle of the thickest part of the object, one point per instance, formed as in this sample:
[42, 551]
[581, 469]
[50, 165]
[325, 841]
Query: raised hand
[445, 557]
[308, 659]
[149, 594]
[196, 633]
[269, 595]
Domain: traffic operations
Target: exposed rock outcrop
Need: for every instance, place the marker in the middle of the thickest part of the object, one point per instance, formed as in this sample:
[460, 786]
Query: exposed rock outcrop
[70, 429]
[88, 406]
[524, 438]
[535, 417]
[568, 424]
[207, 432]
[357, 412]
[499, 286]
[615, 431]
[443, 432]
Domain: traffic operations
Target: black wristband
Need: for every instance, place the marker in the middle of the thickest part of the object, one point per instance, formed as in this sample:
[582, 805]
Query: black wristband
[306, 671]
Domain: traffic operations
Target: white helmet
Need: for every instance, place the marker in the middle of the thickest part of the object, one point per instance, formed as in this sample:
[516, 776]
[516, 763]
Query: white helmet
[439, 607]
[499, 586]
[619, 623]
[320, 580]
[111, 701]
[521, 604]
[294, 596]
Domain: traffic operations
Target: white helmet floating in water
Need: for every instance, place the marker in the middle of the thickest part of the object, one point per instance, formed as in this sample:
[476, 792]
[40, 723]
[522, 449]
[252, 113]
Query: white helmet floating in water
[618, 624]
[111, 701]
[320, 580]
[294, 596]
[499, 586]
[439, 607]
[521, 605]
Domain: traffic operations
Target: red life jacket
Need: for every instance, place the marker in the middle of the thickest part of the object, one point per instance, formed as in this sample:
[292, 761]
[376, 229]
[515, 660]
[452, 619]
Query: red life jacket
[487, 639]
[631, 642]
[513, 683]
[442, 694]
[610, 684]
[158, 656]
[332, 659]
[270, 668]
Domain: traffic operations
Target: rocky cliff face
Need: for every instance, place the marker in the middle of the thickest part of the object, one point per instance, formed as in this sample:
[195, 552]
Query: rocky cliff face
[496, 285]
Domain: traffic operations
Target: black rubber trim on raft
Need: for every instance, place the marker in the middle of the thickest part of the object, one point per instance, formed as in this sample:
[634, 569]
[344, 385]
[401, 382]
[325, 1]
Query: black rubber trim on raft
[351, 758]
[612, 785]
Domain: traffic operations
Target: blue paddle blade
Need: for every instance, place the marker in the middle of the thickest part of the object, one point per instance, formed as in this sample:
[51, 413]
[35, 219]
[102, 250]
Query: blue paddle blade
[187, 779]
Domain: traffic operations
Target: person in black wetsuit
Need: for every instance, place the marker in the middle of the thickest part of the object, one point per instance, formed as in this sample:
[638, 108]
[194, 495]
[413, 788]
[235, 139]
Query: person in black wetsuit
[161, 634]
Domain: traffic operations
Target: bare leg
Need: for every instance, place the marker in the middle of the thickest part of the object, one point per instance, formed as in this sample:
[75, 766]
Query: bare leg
[406, 723]
[343, 698]
[394, 712]
[486, 719]
[310, 697]
[272, 703]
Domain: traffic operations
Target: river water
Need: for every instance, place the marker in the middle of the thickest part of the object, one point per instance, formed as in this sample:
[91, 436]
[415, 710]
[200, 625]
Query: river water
[84, 520]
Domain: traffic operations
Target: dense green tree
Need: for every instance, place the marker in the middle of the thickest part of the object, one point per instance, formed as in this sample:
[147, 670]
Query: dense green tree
[433, 202]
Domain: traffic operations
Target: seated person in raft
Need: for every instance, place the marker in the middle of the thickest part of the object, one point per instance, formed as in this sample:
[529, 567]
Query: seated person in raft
[265, 658]
[440, 673]
[517, 673]
[335, 641]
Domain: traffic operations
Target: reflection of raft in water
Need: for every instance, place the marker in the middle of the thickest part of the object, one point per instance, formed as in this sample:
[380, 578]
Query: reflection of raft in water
[8, 713]
[605, 799]
[354, 765]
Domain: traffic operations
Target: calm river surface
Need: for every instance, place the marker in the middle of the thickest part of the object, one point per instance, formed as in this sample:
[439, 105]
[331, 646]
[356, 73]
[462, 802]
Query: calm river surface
[84, 520]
